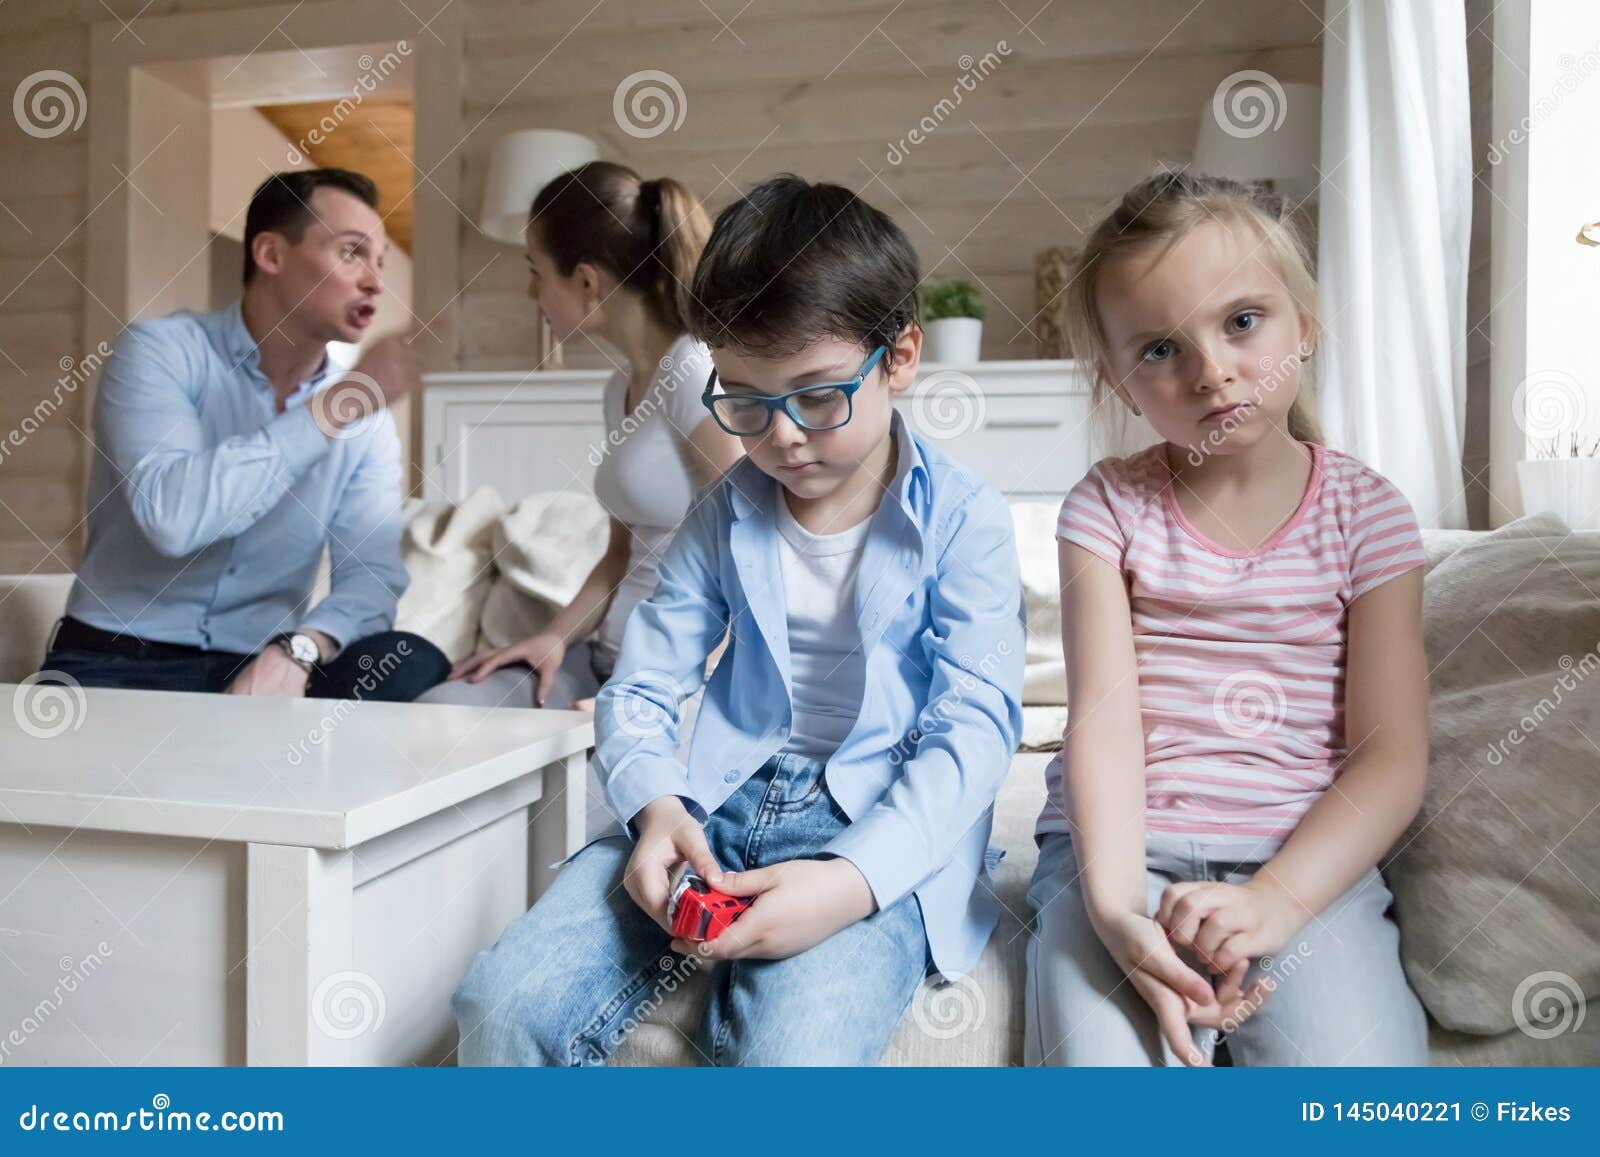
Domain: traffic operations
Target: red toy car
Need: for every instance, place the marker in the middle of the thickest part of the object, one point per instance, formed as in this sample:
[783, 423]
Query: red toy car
[696, 910]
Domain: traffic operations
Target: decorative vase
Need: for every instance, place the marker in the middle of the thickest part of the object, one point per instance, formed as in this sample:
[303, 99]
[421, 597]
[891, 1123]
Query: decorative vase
[1566, 487]
[1052, 272]
[953, 341]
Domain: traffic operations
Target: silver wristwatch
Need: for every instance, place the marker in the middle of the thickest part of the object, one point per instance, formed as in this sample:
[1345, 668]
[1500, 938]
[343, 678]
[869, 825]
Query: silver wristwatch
[301, 648]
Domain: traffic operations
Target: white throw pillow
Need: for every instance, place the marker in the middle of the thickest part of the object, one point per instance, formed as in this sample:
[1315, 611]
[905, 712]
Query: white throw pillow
[447, 551]
[544, 548]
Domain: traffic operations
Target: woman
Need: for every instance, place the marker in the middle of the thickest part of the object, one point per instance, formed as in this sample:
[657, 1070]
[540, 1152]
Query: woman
[612, 257]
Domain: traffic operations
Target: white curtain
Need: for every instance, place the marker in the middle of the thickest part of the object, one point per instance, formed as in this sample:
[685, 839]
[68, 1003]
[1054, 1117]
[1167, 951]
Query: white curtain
[1395, 221]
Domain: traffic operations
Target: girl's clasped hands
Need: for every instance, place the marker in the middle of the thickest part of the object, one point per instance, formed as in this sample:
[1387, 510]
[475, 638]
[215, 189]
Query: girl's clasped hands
[1221, 927]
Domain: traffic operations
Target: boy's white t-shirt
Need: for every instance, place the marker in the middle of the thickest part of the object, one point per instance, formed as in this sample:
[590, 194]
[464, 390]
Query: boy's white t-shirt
[827, 669]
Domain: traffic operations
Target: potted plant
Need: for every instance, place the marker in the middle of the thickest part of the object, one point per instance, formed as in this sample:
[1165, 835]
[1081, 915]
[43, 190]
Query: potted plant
[1564, 480]
[952, 320]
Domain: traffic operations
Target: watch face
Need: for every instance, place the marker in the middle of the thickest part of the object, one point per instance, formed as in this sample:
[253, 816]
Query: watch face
[303, 649]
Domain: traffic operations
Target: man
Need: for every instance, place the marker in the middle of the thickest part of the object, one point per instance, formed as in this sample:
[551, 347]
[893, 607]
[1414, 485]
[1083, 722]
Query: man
[229, 452]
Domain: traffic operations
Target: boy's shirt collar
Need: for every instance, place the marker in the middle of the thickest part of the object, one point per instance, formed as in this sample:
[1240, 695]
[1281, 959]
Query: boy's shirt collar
[890, 563]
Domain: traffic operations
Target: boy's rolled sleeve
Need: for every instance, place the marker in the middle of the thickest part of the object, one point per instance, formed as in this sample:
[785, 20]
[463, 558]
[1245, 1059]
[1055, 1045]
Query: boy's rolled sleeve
[643, 782]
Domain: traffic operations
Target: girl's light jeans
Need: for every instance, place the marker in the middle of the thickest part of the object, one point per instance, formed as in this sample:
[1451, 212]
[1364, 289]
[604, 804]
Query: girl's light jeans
[1340, 995]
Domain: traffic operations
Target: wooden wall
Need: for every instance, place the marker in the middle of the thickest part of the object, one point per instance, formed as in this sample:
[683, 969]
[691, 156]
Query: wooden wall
[42, 200]
[1086, 98]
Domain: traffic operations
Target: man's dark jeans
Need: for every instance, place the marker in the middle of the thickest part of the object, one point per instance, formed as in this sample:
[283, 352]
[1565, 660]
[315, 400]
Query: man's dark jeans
[389, 667]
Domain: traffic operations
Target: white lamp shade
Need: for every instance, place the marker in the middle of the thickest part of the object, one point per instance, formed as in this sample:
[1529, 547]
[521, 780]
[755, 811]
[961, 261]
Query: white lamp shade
[1260, 130]
[521, 164]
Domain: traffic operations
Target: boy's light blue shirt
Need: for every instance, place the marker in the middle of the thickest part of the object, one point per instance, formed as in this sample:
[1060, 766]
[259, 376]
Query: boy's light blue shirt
[208, 512]
[939, 607]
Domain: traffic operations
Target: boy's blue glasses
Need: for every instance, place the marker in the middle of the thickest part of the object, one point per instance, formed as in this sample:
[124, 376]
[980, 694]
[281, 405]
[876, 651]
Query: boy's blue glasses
[824, 406]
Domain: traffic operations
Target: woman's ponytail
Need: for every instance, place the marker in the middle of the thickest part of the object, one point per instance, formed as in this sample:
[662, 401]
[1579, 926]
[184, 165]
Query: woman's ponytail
[682, 229]
[646, 234]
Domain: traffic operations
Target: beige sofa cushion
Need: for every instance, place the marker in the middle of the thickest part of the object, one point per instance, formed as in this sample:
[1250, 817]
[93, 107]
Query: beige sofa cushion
[29, 607]
[544, 548]
[1496, 883]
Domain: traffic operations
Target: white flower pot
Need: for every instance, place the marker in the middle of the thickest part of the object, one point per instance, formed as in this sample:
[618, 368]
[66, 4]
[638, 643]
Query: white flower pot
[1566, 487]
[952, 341]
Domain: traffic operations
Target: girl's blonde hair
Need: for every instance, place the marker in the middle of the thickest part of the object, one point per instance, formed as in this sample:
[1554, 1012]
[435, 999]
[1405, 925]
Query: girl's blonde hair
[1160, 211]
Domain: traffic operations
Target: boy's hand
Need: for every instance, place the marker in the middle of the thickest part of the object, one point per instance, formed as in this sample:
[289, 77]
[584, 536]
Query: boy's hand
[1226, 924]
[668, 834]
[798, 904]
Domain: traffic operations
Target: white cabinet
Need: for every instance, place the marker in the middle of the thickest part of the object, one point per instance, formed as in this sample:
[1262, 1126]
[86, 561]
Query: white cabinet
[1026, 426]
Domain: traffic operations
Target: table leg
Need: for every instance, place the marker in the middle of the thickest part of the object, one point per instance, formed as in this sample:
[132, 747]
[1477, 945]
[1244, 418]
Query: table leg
[300, 994]
[557, 820]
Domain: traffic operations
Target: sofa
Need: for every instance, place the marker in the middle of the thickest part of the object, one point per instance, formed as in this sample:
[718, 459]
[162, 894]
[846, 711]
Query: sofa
[1497, 883]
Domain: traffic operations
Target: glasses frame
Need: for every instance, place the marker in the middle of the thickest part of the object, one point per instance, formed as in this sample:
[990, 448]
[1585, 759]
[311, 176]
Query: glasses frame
[773, 403]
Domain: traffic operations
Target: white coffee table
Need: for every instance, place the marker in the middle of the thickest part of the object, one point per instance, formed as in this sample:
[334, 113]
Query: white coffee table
[213, 879]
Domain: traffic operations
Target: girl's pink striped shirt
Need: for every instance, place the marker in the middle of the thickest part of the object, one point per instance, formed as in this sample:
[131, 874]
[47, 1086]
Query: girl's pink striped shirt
[1241, 654]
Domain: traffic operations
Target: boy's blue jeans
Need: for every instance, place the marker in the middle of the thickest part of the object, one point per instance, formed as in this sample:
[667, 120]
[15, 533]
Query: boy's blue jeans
[567, 981]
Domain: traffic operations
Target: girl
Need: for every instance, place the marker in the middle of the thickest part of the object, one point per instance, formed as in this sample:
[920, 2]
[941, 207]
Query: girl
[1241, 613]
[612, 256]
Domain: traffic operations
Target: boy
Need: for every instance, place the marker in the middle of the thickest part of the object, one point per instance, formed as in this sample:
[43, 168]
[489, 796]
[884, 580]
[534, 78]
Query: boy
[852, 738]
